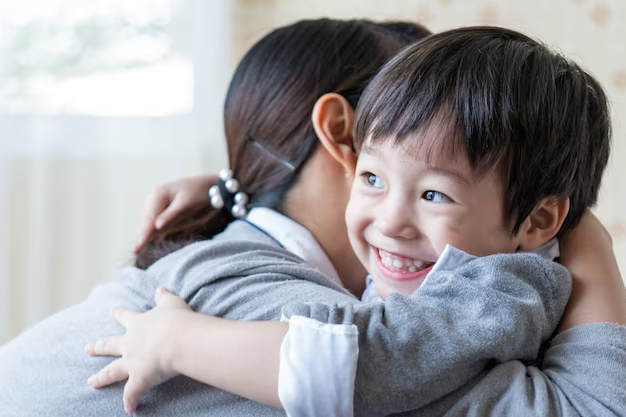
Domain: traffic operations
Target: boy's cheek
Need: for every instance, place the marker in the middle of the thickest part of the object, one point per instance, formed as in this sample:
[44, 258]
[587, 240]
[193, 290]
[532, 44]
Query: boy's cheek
[452, 228]
[356, 211]
[351, 222]
[357, 220]
[442, 236]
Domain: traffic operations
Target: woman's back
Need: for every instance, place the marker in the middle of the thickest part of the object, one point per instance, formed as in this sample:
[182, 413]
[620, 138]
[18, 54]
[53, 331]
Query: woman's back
[240, 274]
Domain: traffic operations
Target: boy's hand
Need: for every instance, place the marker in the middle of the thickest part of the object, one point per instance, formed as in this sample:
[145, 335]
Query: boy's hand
[169, 200]
[598, 293]
[144, 349]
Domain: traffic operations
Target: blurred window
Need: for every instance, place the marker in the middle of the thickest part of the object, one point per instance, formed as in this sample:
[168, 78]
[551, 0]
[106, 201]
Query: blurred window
[96, 57]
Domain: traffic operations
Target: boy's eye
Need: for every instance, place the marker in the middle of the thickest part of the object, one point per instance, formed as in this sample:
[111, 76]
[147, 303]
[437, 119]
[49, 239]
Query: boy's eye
[436, 197]
[373, 180]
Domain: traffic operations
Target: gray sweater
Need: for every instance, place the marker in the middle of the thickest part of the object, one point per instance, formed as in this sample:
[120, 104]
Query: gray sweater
[448, 349]
[244, 274]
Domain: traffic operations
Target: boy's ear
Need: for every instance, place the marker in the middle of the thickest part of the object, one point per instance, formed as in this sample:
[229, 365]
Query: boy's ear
[333, 118]
[543, 223]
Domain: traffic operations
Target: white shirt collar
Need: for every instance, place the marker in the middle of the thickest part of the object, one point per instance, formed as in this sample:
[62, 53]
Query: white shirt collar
[452, 258]
[295, 238]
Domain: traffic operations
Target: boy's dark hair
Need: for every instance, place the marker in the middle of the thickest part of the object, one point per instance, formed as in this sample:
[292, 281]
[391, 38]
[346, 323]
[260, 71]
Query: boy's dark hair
[509, 102]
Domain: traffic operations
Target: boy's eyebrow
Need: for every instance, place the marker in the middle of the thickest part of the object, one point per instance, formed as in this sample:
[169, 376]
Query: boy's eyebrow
[448, 172]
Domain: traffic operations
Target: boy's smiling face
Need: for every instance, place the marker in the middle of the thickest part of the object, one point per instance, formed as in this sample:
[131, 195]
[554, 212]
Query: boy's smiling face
[403, 210]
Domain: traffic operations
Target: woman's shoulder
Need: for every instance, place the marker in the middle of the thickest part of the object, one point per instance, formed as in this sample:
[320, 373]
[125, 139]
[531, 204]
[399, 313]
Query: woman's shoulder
[242, 250]
[243, 274]
[239, 239]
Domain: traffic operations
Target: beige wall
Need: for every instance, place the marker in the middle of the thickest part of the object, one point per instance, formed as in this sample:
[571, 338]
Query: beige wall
[590, 31]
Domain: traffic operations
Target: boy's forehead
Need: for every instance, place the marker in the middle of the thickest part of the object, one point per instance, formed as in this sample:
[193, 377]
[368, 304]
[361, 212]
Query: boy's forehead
[433, 146]
[440, 151]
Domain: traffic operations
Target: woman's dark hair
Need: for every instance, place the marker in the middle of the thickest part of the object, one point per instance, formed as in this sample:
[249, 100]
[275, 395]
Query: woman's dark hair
[267, 112]
[505, 100]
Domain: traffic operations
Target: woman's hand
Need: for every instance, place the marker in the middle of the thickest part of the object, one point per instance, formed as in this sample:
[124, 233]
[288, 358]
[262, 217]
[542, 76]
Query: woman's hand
[145, 349]
[169, 200]
[598, 293]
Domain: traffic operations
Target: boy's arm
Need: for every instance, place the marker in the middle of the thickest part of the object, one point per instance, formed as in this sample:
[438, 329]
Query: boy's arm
[171, 339]
[413, 349]
[583, 370]
[582, 375]
[571, 362]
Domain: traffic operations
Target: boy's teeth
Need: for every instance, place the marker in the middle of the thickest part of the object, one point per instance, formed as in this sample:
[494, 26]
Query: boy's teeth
[400, 263]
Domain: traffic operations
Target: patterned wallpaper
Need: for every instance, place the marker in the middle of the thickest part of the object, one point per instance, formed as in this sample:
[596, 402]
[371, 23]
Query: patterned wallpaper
[588, 31]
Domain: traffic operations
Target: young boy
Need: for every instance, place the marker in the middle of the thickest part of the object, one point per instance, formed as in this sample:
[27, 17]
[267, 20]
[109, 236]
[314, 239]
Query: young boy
[476, 146]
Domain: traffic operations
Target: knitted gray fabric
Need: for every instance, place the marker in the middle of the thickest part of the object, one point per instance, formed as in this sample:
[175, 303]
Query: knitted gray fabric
[241, 274]
[447, 349]
[244, 274]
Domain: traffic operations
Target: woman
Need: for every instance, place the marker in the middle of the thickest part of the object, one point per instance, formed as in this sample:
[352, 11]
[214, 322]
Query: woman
[275, 156]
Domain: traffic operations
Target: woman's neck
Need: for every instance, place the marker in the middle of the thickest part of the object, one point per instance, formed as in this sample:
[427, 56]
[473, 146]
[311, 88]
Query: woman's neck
[326, 222]
[340, 253]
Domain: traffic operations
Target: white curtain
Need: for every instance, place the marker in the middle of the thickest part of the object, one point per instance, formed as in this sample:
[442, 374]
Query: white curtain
[72, 187]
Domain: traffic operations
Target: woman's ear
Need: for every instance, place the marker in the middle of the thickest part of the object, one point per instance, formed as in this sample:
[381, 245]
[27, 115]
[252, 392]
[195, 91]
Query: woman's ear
[333, 118]
[543, 223]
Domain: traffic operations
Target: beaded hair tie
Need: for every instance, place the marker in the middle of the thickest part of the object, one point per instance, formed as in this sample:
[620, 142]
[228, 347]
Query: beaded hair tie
[226, 194]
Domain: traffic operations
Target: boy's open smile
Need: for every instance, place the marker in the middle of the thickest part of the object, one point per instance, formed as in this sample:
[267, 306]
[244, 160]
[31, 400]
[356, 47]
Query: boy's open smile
[401, 268]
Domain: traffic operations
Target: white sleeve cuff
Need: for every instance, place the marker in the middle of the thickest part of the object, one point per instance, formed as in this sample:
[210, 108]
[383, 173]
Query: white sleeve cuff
[318, 368]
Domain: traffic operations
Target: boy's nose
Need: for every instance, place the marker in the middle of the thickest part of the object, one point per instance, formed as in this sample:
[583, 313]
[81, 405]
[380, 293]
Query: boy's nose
[396, 219]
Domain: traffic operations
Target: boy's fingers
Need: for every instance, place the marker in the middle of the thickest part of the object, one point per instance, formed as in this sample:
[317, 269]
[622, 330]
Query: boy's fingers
[107, 346]
[159, 295]
[146, 229]
[158, 201]
[164, 298]
[132, 392]
[162, 220]
[114, 372]
[145, 232]
[170, 212]
[124, 315]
